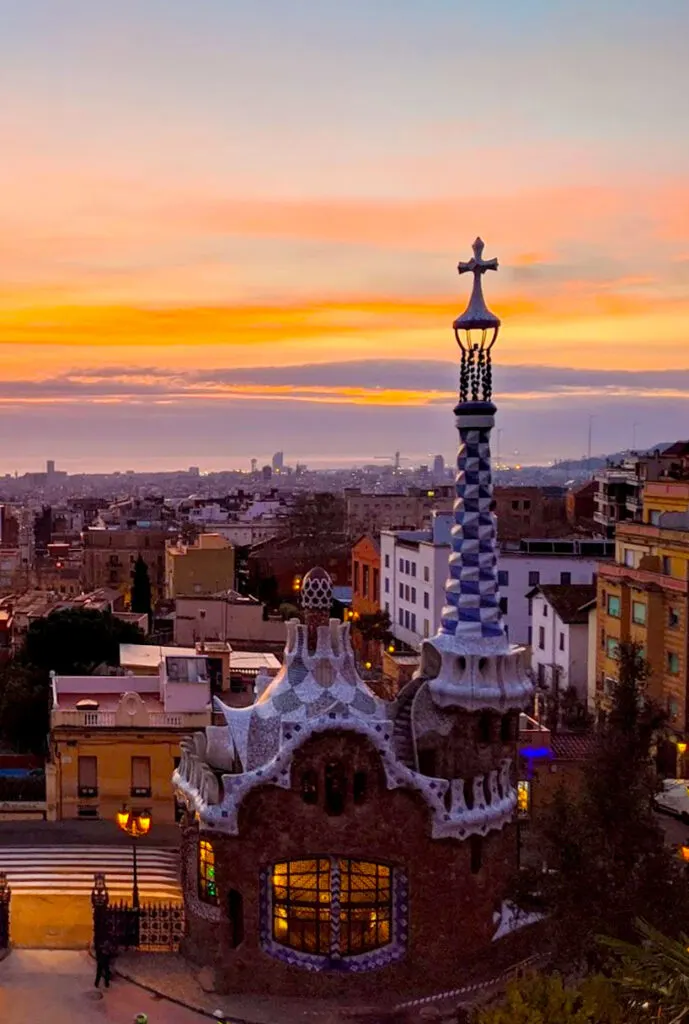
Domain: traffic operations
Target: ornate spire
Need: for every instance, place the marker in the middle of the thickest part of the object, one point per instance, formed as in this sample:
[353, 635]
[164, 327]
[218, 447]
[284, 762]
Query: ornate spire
[472, 612]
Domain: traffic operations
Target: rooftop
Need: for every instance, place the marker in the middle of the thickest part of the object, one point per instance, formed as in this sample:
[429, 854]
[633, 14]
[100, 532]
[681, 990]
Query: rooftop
[570, 601]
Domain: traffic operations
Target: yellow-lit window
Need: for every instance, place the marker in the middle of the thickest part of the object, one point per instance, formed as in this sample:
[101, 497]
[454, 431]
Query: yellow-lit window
[523, 798]
[303, 914]
[208, 889]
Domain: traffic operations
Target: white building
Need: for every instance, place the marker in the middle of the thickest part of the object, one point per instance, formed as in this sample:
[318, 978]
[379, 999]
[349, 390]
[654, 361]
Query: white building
[560, 628]
[414, 571]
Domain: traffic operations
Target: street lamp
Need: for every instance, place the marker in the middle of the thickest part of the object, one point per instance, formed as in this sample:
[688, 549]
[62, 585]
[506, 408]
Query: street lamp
[681, 750]
[135, 824]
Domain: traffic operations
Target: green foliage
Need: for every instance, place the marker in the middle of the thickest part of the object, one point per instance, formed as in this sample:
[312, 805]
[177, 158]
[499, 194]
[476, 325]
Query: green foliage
[141, 588]
[548, 999]
[606, 854]
[655, 974]
[24, 708]
[76, 641]
[288, 611]
[374, 627]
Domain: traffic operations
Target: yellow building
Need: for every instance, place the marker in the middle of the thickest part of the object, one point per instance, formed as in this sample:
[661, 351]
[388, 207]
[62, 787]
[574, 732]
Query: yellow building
[644, 597]
[115, 739]
[204, 567]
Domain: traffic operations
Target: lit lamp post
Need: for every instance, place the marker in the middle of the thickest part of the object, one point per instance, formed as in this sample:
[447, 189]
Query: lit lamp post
[135, 824]
[681, 750]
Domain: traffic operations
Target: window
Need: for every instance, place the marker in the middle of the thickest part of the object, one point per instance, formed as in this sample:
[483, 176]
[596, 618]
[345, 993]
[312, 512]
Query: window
[364, 580]
[376, 584]
[208, 889]
[602, 638]
[387, 584]
[413, 568]
[406, 591]
[628, 557]
[387, 607]
[503, 578]
[529, 635]
[401, 565]
[654, 516]
[335, 788]
[426, 628]
[503, 605]
[639, 612]
[540, 674]
[235, 914]
[562, 641]
[611, 647]
[302, 905]
[87, 768]
[309, 787]
[515, 506]
[406, 619]
[387, 561]
[534, 578]
[673, 663]
[406, 567]
[426, 574]
[565, 579]
[413, 622]
[613, 606]
[506, 728]
[527, 505]
[413, 595]
[141, 776]
[673, 618]
[401, 590]
[476, 853]
[667, 566]
[523, 798]
[529, 606]
[359, 787]
[545, 610]
[484, 727]
[541, 638]
[401, 617]
[356, 577]
[426, 600]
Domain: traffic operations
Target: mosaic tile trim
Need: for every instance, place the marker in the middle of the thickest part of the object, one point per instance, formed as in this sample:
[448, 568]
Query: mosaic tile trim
[395, 950]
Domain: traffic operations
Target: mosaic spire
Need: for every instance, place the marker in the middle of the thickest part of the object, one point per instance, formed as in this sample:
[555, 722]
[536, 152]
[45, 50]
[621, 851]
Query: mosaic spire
[472, 610]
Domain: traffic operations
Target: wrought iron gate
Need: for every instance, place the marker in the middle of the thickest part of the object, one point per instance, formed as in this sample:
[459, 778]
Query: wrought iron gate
[154, 927]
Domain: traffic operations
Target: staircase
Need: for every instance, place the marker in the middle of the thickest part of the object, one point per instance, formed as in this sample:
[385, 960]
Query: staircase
[402, 739]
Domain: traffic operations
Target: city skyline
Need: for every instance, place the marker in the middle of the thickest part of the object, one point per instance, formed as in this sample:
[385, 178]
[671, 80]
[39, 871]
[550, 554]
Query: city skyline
[225, 225]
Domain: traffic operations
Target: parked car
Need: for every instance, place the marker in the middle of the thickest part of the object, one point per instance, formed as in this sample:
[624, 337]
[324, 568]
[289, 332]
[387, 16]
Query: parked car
[673, 799]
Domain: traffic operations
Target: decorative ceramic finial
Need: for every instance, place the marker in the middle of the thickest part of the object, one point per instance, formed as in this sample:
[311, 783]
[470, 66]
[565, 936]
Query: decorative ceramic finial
[316, 599]
[476, 330]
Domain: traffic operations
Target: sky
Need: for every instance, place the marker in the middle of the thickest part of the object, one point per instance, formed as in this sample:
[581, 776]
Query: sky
[228, 227]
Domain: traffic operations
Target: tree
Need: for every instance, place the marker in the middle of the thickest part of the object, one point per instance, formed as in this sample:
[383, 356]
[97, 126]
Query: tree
[24, 708]
[141, 588]
[607, 859]
[547, 998]
[655, 973]
[75, 641]
[374, 627]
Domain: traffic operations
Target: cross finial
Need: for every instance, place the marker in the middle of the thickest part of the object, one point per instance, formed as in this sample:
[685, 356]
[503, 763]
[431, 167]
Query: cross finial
[477, 265]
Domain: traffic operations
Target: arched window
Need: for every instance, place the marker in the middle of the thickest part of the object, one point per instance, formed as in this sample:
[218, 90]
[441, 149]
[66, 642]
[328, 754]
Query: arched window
[208, 889]
[335, 787]
[332, 906]
[359, 787]
[506, 728]
[484, 727]
[309, 787]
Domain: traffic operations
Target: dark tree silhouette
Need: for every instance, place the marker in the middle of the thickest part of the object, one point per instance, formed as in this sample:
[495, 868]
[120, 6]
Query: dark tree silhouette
[141, 588]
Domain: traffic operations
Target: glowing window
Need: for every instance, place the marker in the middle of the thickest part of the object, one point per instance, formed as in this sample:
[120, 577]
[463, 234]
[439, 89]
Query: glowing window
[208, 889]
[523, 798]
[302, 906]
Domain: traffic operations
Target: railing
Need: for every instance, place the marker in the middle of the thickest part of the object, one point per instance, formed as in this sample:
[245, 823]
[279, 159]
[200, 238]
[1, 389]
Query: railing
[154, 927]
[109, 719]
[28, 788]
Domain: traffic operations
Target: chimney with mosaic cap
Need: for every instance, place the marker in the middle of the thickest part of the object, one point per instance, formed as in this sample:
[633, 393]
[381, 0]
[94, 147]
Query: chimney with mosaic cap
[470, 661]
[316, 600]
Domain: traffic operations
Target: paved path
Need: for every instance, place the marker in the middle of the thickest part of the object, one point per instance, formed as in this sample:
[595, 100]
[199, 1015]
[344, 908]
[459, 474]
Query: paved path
[82, 833]
[38, 986]
[69, 870]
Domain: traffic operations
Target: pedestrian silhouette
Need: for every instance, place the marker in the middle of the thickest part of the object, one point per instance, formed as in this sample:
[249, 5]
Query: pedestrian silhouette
[104, 954]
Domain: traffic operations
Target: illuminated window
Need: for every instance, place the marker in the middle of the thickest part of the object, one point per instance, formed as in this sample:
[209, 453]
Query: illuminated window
[208, 889]
[639, 612]
[523, 798]
[612, 647]
[304, 909]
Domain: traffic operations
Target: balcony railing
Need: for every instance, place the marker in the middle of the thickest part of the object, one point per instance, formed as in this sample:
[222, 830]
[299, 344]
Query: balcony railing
[109, 720]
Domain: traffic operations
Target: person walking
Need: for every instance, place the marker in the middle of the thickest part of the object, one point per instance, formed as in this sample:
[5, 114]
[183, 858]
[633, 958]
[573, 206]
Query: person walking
[104, 954]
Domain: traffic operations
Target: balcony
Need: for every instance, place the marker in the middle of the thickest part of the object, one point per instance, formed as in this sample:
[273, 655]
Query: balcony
[72, 719]
[623, 573]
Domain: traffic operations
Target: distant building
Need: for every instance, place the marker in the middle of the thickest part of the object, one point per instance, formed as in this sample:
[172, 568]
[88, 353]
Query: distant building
[116, 739]
[560, 649]
[236, 618]
[110, 554]
[619, 487]
[371, 513]
[414, 572]
[530, 512]
[204, 567]
[580, 504]
[438, 469]
[267, 473]
[50, 467]
[644, 597]
[366, 576]
[278, 462]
